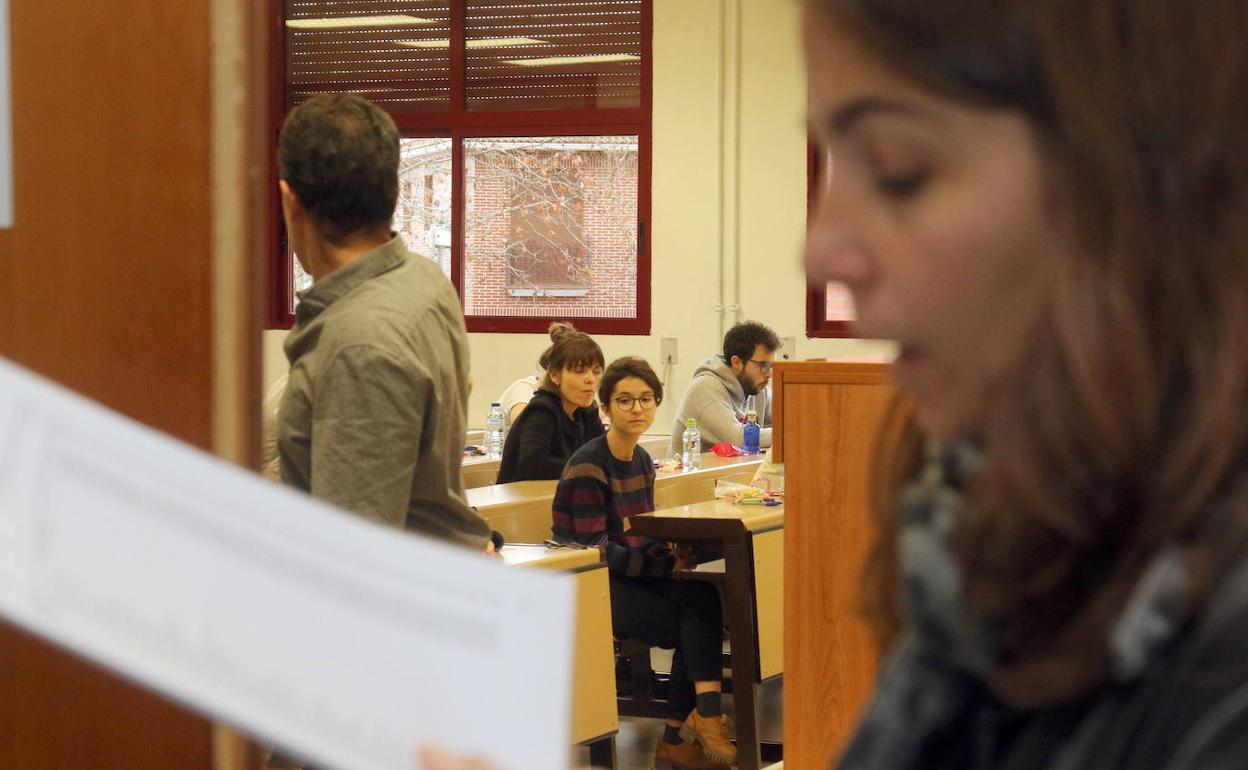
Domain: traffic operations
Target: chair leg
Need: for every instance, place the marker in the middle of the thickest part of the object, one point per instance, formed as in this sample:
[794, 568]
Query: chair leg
[602, 753]
[642, 676]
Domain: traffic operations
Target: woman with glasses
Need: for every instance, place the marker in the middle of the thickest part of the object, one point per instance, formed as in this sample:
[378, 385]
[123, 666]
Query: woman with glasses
[606, 481]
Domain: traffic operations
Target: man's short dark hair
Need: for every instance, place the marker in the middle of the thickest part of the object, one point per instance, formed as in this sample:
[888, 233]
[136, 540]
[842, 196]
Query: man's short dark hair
[340, 155]
[622, 368]
[741, 340]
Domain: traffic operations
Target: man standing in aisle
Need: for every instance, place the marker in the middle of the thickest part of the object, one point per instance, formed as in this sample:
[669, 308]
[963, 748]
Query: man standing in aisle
[373, 418]
[716, 395]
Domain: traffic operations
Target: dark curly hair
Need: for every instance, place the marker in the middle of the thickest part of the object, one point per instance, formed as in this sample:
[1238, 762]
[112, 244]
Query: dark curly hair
[741, 340]
[340, 155]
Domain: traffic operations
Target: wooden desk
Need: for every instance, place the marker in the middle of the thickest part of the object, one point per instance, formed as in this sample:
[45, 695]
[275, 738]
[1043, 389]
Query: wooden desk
[751, 539]
[478, 471]
[481, 471]
[595, 719]
[521, 509]
[675, 488]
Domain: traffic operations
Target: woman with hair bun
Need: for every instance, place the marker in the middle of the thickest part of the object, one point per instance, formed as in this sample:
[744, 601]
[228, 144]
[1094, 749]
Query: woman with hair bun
[562, 416]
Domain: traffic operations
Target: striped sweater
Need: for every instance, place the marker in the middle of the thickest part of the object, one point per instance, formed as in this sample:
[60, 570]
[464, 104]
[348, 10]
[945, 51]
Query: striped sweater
[596, 494]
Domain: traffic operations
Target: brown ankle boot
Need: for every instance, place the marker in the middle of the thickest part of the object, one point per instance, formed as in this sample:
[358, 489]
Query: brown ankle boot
[711, 733]
[684, 756]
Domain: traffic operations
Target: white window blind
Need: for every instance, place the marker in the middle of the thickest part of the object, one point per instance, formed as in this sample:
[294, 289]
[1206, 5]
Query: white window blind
[553, 54]
[379, 49]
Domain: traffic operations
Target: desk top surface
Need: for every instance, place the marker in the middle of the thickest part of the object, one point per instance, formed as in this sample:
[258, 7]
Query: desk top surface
[516, 491]
[544, 557]
[521, 491]
[752, 517]
[712, 464]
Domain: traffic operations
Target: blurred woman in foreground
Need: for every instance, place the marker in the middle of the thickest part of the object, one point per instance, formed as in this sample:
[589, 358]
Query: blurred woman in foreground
[1045, 203]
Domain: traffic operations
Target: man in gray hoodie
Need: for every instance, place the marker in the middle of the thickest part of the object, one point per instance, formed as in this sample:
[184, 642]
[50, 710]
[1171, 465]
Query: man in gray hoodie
[716, 395]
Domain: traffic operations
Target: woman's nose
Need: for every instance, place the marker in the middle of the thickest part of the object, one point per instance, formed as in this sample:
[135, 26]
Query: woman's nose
[836, 250]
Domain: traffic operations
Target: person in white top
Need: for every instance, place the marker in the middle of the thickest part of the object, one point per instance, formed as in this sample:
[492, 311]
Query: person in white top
[517, 396]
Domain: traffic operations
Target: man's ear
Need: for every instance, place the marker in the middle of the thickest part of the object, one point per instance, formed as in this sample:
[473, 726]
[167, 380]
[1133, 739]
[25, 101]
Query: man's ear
[291, 206]
[736, 364]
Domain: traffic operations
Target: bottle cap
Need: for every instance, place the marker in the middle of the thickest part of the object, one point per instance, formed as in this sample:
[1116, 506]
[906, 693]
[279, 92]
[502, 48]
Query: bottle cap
[692, 423]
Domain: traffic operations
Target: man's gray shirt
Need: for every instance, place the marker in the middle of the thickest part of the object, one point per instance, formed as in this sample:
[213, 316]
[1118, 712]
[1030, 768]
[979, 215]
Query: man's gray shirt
[373, 418]
[716, 400]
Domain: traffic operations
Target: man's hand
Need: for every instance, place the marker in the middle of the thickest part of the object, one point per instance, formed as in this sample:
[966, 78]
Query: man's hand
[432, 758]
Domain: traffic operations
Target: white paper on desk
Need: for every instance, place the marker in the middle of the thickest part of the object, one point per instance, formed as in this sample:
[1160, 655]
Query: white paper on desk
[348, 643]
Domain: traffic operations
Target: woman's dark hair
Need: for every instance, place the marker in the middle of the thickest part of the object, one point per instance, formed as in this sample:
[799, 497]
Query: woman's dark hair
[1129, 424]
[622, 368]
[340, 155]
[568, 349]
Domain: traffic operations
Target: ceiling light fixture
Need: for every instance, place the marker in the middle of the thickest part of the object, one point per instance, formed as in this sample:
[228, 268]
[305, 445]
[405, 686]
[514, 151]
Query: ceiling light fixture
[359, 22]
[554, 61]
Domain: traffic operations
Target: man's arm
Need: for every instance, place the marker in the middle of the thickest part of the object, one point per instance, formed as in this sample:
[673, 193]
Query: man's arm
[718, 422]
[367, 419]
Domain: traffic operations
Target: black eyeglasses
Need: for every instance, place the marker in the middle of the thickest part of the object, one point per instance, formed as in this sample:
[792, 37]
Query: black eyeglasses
[626, 402]
[763, 366]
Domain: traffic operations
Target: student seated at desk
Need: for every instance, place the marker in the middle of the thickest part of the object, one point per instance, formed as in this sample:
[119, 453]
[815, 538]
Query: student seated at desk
[717, 394]
[562, 414]
[605, 482]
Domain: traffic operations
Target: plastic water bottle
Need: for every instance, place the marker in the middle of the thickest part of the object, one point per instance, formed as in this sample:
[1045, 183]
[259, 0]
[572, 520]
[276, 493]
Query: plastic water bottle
[750, 443]
[691, 439]
[495, 431]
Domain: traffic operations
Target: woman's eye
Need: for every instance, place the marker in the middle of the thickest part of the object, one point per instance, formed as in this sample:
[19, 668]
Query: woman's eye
[901, 185]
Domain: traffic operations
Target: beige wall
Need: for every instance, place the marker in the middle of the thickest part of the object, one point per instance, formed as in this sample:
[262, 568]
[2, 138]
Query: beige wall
[729, 180]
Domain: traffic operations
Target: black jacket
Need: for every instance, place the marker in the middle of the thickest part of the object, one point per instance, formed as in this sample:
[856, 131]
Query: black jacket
[543, 437]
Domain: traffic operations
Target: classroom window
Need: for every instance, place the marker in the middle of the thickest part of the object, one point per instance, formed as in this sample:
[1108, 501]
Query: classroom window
[525, 164]
[423, 212]
[551, 226]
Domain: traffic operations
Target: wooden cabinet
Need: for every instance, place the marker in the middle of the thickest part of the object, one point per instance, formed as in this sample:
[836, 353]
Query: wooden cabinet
[826, 417]
[131, 275]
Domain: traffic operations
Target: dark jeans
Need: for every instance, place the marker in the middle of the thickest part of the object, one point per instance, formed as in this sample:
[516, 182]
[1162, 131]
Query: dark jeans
[683, 615]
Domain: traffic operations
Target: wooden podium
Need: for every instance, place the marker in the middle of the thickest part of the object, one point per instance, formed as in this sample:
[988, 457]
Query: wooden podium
[826, 417]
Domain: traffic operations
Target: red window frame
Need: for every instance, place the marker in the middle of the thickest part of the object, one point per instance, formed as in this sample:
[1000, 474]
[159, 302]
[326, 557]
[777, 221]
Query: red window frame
[459, 124]
[817, 324]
